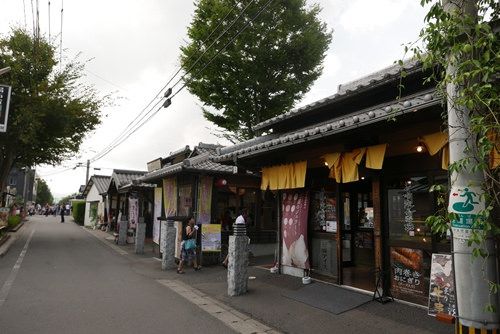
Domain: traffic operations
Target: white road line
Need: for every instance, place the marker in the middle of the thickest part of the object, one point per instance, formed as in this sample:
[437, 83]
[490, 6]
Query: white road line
[4, 292]
[115, 248]
[235, 320]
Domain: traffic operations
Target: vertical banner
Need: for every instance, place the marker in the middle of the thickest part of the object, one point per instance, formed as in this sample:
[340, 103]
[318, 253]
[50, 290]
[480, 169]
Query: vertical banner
[295, 208]
[170, 196]
[204, 200]
[442, 286]
[157, 213]
[211, 238]
[133, 212]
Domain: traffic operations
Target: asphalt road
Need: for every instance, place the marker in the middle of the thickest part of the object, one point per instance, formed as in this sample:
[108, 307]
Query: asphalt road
[70, 282]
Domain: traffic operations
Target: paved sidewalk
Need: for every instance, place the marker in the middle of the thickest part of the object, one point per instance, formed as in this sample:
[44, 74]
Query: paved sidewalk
[265, 301]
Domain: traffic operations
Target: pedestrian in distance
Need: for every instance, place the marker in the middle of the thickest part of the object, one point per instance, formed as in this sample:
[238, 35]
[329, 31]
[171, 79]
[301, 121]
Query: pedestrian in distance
[62, 214]
[188, 247]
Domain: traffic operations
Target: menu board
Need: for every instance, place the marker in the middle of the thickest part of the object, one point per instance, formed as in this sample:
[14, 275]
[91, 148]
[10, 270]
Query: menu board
[442, 286]
[407, 274]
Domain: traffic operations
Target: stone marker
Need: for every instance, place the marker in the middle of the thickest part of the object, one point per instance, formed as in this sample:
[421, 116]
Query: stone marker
[237, 275]
[168, 253]
[140, 236]
[122, 231]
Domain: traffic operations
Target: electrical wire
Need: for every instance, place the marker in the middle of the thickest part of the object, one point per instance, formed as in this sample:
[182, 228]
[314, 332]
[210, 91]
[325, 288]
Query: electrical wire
[49, 19]
[24, 10]
[130, 127]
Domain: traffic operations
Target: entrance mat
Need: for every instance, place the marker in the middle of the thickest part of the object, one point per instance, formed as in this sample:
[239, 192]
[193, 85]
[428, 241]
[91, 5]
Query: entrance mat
[328, 297]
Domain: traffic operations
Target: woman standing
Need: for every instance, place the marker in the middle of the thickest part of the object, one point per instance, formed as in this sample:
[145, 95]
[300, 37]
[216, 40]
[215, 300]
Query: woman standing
[188, 247]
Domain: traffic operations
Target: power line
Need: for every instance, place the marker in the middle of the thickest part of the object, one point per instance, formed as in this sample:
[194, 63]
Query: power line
[130, 127]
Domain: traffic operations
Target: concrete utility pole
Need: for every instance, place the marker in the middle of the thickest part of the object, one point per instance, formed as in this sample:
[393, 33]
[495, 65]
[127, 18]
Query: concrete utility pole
[471, 274]
[87, 176]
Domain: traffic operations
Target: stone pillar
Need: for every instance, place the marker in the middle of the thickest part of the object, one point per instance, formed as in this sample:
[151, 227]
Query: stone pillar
[168, 251]
[140, 236]
[122, 231]
[237, 275]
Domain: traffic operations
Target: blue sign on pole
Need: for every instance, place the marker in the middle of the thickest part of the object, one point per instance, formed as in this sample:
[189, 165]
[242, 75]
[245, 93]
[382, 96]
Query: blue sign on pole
[4, 106]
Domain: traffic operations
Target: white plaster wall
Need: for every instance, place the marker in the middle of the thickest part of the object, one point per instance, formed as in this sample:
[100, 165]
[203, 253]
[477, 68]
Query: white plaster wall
[92, 196]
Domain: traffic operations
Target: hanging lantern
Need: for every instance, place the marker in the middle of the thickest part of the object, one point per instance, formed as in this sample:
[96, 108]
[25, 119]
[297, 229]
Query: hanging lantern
[220, 183]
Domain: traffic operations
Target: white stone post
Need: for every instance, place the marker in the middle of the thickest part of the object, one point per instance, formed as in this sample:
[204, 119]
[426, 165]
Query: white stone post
[168, 251]
[140, 236]
[237, 273]
[122, 231]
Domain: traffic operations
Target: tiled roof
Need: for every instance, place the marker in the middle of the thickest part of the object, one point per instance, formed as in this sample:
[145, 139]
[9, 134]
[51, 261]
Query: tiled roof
[336, 125]
[199, 163]
[123, 177]
[346, 90]
[101, 182]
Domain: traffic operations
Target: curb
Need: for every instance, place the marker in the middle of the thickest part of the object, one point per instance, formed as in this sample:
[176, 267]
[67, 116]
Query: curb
[17, 227]
[6, 245]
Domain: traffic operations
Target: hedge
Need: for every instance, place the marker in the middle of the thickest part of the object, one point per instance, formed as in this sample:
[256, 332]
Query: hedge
[79, 212]
[13, 221]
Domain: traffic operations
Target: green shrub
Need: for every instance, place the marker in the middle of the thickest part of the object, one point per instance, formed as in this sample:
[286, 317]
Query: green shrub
[13, 221]
[79, 212]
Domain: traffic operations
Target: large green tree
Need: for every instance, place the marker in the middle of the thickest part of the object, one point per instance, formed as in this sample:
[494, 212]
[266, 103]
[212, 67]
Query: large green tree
[50, 110]
[43, 193]
[264, 71]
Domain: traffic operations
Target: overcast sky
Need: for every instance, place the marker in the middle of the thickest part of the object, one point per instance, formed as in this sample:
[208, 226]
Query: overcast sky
[134, 47]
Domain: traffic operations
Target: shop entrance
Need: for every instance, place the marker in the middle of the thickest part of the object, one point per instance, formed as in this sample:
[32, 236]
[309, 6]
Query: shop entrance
[357, 217]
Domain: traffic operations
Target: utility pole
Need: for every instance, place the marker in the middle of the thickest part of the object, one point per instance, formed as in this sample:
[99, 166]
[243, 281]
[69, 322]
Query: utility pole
[88, 168]
[472, 275]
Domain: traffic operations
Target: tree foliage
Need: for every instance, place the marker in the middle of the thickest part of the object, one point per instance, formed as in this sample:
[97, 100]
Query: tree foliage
[50, 110]
[264, 71]
[43, 193]
[470, 42]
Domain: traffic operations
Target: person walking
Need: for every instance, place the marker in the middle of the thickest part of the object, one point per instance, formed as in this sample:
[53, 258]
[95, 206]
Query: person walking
[188, 247]
[62, 213]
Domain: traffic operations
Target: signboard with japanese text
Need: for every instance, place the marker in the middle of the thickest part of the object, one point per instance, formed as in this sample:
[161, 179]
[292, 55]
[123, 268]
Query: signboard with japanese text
[442, 286]
[133, 212]
[467, 203]
[4, 106]
[204, 199]
[407, 274]
[211, 238]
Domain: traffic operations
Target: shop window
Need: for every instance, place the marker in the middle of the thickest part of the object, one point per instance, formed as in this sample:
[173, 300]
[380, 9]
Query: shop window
[248, 200]
[409, 204]
[323, 212]
[269, 219]
[12, 181]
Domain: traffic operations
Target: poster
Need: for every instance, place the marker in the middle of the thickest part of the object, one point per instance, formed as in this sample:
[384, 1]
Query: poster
[295, 207]
[4, 215]
[442, 286]
[170, 196]
[211, 238]
[204, 199]
[323, 212]
[407, 275]
[157, 213]
[133, 212]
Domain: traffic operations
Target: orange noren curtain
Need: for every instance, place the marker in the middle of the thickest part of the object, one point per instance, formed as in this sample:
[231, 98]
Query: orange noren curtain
[287, 176]
[375, 156]
[435, 141]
